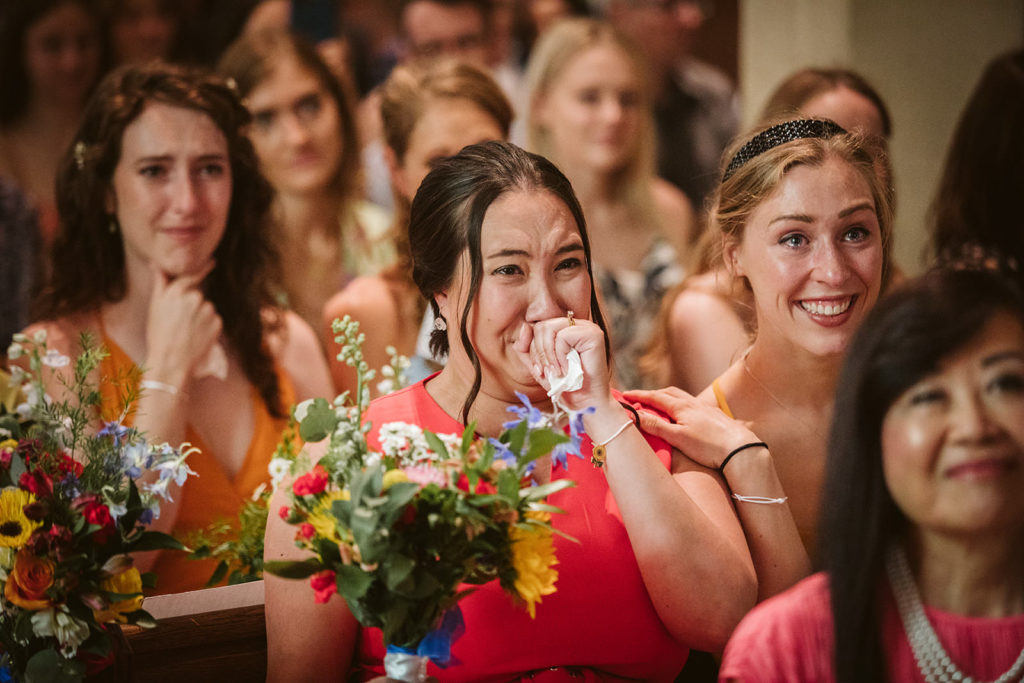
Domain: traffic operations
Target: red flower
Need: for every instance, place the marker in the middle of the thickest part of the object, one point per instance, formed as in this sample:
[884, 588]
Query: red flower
[306, 531]
[324, 584]
[37, 482]
[482, 486]
[311, 483]
[408, 514]
[284, 512]
[99, 514]
[69, 465]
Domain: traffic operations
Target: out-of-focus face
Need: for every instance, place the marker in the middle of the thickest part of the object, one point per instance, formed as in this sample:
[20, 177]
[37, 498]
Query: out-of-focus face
[953, 443]
[435, 30]
[296, 129]
[593, 111]
[142, 32]
[62, 55]
[664, 29]
[171, 190]
[533, 269]
[812, 253]
[849, 109]
[446, 125]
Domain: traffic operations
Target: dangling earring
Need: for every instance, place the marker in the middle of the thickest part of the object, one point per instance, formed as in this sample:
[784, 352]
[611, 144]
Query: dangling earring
[440, 324]
[112, 224]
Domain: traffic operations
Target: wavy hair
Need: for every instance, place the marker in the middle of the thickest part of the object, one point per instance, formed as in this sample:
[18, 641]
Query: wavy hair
[88, 259]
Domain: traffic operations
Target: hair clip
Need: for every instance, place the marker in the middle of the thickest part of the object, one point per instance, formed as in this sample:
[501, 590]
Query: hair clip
[80, 155]
[780, 134]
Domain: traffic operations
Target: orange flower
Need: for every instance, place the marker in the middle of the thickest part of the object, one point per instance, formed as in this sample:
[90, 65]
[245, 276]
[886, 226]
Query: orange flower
[27, 583]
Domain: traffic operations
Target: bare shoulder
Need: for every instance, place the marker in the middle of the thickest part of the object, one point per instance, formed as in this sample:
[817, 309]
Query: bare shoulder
[675, 210]
[696, 307]
[66, 334]
[369, 300]
[295, 346]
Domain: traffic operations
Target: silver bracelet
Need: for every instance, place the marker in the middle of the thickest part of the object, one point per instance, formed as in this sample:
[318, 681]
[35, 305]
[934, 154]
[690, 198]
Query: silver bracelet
[760, 500]
[156, 385]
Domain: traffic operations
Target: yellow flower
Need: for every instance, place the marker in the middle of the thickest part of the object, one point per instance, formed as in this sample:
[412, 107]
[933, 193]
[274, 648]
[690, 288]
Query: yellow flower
[15, 527]
[323, 519]
[127, 582]
[9, 443]
[392, 477]
[533, 556]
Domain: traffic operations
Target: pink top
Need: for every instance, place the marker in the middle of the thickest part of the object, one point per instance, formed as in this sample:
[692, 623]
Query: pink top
[789, 638]
[600, 618]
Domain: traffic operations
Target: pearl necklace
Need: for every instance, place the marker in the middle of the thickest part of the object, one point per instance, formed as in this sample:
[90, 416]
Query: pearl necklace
[931, 657]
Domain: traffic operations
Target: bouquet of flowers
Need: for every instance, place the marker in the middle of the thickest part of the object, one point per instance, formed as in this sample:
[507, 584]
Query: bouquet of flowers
[238, 549]
[398, 532]
[70, 512]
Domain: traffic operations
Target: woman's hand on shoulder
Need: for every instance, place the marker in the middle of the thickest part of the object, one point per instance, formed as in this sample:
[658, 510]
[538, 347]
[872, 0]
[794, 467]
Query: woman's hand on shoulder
[182, 327]
[700, 431]
[544, 348]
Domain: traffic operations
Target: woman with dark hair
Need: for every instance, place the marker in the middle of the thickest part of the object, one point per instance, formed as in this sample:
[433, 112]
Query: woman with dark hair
[923, 518]
[304, 132]
[52, 53]
[163, 256]
[976, 212]
[499, 246]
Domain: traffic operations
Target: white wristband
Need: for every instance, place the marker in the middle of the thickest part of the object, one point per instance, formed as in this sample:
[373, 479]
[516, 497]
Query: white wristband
[760, 500]
[155, 385]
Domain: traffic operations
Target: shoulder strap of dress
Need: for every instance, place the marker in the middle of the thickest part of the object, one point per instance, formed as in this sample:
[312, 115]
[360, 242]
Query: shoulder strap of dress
[723, 405]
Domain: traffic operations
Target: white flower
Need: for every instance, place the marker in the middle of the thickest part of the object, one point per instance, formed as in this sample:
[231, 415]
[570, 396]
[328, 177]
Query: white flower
[68, 631]
[17, 375]
[258, 491]
[54, 359]
[175, 468]
[15, 350]
[278, 468]
[19, 337]
[39, 337]
[302, 409]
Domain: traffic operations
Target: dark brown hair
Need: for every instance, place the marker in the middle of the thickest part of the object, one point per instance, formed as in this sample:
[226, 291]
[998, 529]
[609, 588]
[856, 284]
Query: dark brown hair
[88, 259]
[977, 207]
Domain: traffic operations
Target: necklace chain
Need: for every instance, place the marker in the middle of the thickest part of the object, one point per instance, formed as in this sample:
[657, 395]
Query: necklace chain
[932, 659]
[785, 408]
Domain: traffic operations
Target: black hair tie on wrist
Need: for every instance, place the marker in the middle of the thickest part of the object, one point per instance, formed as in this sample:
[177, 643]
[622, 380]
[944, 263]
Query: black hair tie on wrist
[752, 444]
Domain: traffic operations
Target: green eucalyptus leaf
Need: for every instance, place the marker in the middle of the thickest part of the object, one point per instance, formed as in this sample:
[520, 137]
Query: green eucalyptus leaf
[352, 582]
[319, 422]
[435, 443]
[292, 569]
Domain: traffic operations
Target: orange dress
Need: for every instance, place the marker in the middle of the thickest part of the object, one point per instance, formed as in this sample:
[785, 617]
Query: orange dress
[213, 495]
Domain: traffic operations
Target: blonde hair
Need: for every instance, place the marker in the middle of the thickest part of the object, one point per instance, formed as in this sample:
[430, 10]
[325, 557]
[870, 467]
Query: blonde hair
[412, 87]
[555, 49]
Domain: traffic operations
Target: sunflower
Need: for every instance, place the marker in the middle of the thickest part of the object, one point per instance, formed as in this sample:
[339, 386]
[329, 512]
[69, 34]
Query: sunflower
[533, 556]
[15, 527]
[323, 519]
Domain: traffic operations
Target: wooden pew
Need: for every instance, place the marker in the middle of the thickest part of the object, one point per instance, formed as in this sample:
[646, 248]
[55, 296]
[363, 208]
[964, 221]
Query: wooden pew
[215, 634]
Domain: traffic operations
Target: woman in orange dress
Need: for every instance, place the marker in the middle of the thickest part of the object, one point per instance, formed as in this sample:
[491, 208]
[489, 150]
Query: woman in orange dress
[163, 255]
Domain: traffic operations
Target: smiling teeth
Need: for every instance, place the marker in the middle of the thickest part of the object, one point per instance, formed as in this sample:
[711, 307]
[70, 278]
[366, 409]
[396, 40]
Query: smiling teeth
[835, 308]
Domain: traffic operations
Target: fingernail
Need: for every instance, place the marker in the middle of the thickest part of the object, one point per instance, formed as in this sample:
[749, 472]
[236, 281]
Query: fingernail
[537, 370]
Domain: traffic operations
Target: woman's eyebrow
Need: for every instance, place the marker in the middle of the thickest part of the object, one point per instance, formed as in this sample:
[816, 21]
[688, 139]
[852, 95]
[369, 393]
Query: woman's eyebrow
[998, 357]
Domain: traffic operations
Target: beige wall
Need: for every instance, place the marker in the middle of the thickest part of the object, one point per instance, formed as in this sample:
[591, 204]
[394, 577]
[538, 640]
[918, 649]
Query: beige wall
[923, 56]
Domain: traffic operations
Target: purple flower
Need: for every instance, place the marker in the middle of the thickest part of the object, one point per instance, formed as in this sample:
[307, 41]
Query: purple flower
[534, 418]
[115, 430]
[560, 454]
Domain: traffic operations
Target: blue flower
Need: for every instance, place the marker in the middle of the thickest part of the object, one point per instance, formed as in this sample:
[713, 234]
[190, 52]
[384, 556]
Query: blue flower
[534, 418]
[561, 452]
[114, 429]
[503, 452]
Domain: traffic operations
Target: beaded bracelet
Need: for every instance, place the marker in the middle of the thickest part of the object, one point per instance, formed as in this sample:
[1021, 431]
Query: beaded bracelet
[752, 444]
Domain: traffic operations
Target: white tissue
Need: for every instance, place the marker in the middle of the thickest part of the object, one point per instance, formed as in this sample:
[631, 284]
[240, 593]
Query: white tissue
[572, 380]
